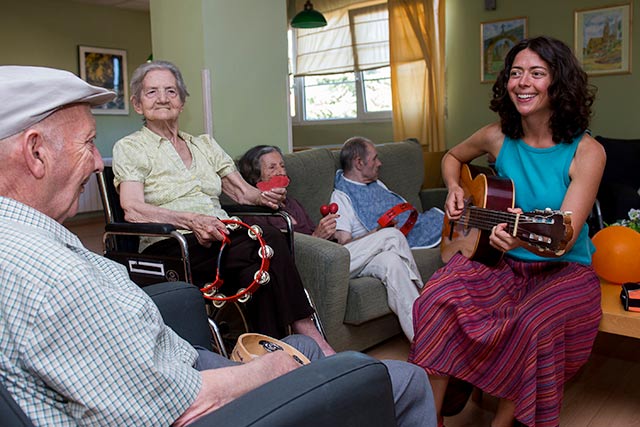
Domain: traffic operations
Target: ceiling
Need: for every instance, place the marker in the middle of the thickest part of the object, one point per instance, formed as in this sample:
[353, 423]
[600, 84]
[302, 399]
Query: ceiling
[123, 4]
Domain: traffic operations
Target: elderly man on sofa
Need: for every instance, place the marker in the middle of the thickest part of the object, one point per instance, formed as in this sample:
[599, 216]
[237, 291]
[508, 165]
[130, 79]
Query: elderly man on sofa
[364, 199]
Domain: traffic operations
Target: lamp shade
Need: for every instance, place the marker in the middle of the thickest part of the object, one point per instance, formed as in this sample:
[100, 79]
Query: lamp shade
[308, 18]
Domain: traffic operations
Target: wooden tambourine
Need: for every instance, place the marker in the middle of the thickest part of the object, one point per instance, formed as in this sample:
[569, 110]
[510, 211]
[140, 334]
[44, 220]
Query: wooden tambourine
[251, 346]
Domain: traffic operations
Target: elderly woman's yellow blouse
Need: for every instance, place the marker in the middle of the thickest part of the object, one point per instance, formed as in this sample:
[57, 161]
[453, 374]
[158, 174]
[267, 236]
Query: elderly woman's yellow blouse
[146, 157]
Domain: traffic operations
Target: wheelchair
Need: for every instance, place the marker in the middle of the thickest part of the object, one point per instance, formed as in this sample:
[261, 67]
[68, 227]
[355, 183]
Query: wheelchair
[120, 244]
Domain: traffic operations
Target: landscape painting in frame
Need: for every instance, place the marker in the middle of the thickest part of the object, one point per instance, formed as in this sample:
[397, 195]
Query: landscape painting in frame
[602, 39]
[106, 68]
[496, 39]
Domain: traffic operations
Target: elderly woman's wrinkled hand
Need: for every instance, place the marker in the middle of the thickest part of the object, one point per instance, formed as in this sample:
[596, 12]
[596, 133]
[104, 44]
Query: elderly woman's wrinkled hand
[326, 227]
[208, 229]
[273, 198]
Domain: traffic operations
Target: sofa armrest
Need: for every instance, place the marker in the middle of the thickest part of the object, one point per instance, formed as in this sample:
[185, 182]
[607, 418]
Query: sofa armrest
[433, 197]
[324, 268]
[182, 308]
[348, 389]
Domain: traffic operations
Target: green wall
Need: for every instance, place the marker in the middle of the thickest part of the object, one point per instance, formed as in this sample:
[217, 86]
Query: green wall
[467, 103]
[185, 50]
[243, 43]
[617, 102]
[47, 33]
[336, 134]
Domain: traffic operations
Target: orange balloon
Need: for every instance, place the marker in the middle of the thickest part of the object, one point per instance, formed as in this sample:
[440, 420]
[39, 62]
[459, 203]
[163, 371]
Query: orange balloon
[617, 256]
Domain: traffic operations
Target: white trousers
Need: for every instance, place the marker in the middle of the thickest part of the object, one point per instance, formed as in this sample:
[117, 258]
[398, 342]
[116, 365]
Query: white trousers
[386, 256]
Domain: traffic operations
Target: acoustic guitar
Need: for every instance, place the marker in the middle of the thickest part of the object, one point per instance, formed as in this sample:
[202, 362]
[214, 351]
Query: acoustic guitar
[486, 198]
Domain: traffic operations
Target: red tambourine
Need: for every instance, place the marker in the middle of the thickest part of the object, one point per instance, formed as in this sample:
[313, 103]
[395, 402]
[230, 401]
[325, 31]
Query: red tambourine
[387, 217]
[211, 290]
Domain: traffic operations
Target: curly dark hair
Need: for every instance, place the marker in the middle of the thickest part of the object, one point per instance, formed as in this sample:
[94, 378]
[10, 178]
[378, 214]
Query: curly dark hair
[570, 94]
[249, 164]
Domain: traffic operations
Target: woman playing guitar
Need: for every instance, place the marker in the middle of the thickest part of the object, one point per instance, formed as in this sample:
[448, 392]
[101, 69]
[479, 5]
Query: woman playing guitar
[521, 327]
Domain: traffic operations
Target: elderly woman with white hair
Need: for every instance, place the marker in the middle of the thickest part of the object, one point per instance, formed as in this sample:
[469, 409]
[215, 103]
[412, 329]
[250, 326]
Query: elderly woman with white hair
[166, 175]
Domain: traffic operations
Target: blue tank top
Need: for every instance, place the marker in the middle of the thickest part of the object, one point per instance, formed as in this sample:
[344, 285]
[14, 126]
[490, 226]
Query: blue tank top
[541, 179]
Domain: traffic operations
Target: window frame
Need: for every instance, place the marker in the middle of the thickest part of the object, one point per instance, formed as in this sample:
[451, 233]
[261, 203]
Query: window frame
[361, 114]
[299, 94]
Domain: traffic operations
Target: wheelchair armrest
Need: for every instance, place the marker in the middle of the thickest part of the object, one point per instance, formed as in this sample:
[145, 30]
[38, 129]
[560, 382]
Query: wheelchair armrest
[248, 210]
[139, 228]
[251, 210]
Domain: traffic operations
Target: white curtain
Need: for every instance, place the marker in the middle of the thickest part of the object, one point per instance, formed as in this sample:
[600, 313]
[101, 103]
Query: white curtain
[354, 39]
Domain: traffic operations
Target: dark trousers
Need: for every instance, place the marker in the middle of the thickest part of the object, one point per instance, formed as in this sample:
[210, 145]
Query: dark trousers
[276, 304]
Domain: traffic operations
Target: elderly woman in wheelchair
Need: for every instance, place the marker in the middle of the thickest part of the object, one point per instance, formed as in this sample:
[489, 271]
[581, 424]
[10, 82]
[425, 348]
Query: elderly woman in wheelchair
[165, 175]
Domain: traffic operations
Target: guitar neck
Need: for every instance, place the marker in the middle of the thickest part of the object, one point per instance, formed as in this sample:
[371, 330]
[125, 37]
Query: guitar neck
[547, 228]
[544, 232]
[486, 219]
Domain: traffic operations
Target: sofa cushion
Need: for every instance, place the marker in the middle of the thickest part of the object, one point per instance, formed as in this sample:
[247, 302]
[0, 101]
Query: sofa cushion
[402, 169]
[428, 260]
[312, 173]
[367, 300]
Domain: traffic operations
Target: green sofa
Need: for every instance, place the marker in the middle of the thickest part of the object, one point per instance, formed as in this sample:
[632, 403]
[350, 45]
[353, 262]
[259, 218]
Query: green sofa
[354, 312]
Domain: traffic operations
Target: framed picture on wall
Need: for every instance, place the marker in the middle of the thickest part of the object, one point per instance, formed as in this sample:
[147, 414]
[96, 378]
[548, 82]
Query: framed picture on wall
[106, 68]
[496, 39]
[603, 39]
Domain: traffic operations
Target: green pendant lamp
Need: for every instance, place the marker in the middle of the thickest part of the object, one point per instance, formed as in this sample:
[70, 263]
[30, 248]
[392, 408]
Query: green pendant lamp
[308, 18]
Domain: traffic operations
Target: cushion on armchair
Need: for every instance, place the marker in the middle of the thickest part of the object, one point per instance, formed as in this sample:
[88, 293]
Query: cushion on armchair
[402, 169]
[311, 179]
[183, 310]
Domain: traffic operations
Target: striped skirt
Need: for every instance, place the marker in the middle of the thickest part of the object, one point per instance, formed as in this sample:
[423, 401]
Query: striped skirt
[517, 331]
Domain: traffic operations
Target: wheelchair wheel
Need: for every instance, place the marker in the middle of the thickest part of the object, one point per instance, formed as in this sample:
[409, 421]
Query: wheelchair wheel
[231, 321]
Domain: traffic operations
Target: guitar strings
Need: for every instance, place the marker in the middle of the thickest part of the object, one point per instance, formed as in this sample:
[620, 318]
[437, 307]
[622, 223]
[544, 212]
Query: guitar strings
[485, 219]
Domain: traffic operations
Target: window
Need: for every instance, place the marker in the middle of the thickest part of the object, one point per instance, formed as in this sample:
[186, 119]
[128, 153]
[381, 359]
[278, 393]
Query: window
[355, 45]
[360, 95]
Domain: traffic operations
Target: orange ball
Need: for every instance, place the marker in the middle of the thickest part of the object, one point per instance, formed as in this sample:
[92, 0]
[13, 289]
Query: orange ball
[617, 256]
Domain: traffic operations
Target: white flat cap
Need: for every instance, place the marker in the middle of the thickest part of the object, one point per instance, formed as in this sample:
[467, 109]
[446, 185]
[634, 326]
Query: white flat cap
[30, 94]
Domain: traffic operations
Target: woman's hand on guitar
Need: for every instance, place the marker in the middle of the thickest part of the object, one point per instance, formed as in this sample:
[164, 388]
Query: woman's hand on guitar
[501, 239]
[454, 206]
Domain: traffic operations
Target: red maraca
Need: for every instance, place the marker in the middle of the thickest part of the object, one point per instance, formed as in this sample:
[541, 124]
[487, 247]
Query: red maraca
[327, 209]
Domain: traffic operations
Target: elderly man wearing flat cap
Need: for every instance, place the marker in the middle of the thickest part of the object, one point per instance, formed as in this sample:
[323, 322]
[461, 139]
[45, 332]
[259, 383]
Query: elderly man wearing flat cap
[67, 356]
